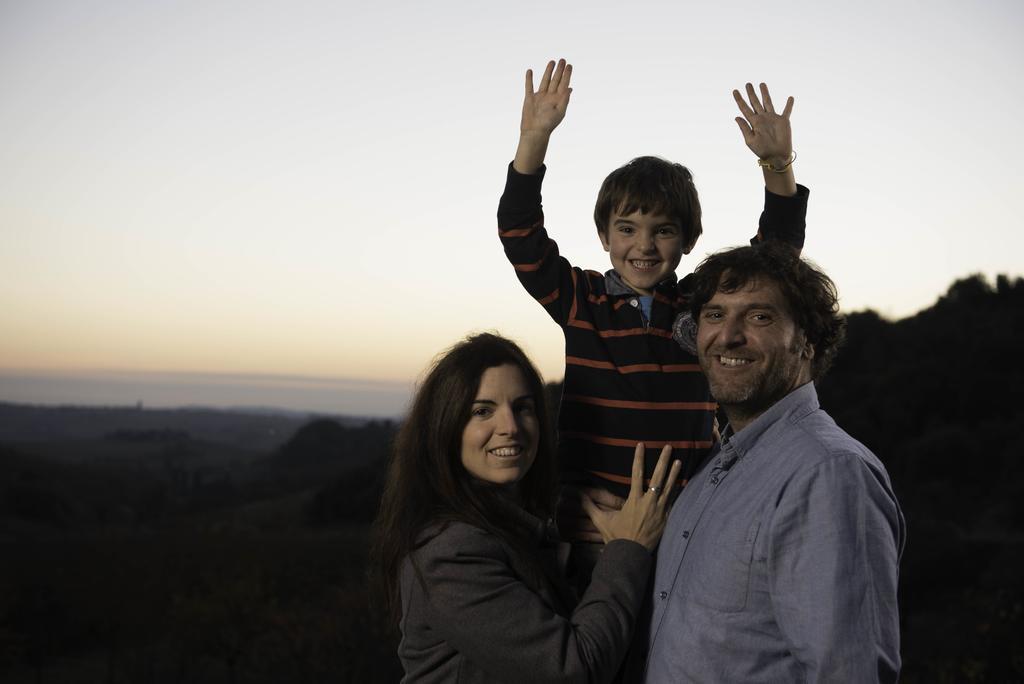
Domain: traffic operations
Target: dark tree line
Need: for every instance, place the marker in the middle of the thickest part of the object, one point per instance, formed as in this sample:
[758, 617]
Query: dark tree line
[939, 398]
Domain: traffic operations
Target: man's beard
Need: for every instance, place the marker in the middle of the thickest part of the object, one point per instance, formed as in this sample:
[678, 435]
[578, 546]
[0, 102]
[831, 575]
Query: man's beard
[754, 394]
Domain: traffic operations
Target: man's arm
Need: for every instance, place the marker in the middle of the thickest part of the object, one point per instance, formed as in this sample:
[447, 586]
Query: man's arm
[543, 110]
[833, 560]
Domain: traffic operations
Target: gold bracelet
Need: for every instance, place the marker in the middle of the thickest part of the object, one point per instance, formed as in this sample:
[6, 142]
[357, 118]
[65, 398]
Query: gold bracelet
[765, 164]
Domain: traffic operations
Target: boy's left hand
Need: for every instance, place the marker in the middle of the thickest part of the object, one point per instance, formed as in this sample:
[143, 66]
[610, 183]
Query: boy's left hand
[767, 134]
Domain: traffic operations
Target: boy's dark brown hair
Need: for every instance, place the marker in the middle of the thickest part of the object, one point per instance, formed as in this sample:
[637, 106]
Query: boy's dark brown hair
[651, 185]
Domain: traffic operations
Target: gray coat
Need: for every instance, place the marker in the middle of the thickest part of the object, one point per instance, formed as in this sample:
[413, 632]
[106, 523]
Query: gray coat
[472, 611]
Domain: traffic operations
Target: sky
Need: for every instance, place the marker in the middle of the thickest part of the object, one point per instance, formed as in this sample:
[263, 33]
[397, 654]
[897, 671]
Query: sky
[293, 203]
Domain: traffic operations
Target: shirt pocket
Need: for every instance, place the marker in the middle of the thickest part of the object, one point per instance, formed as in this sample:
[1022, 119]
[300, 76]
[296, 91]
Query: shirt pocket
[722, 580]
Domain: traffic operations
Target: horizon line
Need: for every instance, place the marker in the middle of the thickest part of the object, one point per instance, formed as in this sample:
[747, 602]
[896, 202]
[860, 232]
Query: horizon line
[182, 389]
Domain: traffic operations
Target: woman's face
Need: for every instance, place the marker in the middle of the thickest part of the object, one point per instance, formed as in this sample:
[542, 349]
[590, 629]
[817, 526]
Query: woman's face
[500, 440]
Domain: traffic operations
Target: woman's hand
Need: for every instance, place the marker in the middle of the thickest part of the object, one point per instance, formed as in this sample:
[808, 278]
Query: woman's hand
[642, 518]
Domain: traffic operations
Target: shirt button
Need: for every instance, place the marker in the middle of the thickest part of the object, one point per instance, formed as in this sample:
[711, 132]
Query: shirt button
[663, 595]
[686, 534]
[634, 303]
[714, 480]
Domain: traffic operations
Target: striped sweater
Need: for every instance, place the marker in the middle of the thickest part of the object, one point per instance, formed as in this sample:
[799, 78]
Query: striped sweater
[626, 378]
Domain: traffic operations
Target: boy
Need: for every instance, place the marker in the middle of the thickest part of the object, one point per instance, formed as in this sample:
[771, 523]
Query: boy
[631, 373]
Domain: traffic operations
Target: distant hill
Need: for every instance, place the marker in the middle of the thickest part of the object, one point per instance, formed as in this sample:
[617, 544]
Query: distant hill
[325, 441]
[86, 469]
[260, 430]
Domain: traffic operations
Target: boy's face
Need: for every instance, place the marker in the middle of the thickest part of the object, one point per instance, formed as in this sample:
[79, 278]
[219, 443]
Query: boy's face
[644, 248]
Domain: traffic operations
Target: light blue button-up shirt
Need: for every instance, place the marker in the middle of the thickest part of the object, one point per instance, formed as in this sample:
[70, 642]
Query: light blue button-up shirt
[780, 560]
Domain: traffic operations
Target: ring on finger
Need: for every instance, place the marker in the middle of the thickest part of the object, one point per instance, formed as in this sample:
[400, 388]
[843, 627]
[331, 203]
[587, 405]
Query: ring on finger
[654, 490]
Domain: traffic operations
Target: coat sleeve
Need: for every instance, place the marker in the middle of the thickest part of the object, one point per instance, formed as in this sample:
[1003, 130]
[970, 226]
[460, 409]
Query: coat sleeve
[784, 218]
[835, 543]
[547, 276]
[487, 613]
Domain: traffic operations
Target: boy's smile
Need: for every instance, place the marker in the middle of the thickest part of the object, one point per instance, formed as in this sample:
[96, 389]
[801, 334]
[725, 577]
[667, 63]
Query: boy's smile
[644, 248]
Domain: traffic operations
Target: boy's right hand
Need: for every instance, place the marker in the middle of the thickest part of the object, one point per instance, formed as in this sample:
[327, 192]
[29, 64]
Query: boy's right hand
[543, 110]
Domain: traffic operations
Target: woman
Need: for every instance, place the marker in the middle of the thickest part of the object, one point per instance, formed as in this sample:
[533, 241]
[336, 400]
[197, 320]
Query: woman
[464, 558]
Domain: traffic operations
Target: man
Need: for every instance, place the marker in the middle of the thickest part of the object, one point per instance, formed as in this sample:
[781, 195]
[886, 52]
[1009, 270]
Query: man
[780, 559]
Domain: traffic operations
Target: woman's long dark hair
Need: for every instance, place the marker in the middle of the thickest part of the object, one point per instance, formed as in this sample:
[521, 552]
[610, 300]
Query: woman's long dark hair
[426, 481]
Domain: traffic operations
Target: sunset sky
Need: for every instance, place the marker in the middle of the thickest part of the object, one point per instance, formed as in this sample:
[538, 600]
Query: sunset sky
[292, 204]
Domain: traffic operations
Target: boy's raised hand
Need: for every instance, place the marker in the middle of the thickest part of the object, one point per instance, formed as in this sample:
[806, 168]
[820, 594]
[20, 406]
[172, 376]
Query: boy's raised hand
[767, 134]
[543, 110]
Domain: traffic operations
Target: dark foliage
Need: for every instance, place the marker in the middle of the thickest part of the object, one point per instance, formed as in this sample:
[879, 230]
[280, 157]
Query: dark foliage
[940, 401]
[554, 392]
[245, 429]
[351, 498]
[164, 435]
[326, 441]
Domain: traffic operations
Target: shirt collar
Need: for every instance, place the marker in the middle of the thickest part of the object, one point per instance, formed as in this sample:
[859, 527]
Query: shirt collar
[615, 285]
[735, 445]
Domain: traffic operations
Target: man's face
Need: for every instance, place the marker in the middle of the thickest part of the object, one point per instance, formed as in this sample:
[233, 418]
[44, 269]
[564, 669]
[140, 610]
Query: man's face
[644, 248]
[751, 350]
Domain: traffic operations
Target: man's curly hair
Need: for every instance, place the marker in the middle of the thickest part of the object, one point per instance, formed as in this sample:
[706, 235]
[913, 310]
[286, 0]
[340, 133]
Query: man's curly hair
[810, 294]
